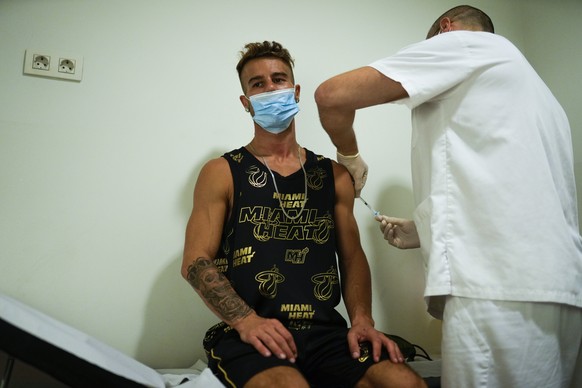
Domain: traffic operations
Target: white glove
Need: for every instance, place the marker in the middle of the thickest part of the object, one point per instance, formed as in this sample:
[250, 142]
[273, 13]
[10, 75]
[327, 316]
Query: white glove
[399, 232]
[357, 168]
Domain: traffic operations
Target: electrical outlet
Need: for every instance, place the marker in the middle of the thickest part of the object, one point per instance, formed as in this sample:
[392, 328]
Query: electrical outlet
[41, 62]
[67, 65]
[47, 63]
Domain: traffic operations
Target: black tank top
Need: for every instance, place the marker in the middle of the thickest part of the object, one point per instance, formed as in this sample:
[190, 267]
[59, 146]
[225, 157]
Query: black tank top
[283, 268]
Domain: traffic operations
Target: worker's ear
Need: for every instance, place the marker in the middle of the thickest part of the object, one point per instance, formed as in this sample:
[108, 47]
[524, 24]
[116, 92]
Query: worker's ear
[445, 25]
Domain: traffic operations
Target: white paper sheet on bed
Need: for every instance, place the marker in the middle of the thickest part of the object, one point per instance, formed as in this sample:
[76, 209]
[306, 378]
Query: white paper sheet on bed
[95, 352]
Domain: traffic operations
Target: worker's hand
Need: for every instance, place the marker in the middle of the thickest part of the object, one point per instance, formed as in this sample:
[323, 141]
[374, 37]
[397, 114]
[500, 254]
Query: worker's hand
[362, 332]
[399, 232]
[268, 336]
[357, 168]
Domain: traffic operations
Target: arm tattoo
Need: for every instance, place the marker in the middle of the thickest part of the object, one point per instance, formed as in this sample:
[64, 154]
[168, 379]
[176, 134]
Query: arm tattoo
[216, 290]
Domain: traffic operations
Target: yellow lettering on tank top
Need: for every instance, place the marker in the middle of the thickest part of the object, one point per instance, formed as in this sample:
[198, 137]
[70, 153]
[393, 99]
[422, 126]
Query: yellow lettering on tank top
[271, 223]
[242, 256]
[296, 256]
[298, 311]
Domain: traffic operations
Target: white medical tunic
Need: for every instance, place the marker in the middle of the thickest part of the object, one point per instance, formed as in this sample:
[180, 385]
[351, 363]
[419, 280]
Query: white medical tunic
[492, 169]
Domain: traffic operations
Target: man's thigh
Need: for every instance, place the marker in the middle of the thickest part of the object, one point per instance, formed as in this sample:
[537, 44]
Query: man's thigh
[327, 361]
[387, 374]
[279, 376]
[235, 363]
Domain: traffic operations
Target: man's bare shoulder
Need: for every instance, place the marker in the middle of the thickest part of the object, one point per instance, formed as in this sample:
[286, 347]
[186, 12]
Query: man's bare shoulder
[340, 172]
[215, 174]
[216, 164]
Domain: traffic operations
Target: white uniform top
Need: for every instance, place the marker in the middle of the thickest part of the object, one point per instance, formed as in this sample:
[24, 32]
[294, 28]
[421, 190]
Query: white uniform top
[492, 170]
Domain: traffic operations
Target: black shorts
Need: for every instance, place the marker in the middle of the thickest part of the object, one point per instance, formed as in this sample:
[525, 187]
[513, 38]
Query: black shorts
[323, 357]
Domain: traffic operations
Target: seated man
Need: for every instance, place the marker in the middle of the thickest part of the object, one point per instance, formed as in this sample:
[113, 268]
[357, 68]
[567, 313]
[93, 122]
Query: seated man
[270, 236]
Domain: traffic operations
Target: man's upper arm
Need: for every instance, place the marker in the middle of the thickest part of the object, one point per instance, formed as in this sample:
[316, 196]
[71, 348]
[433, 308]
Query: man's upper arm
[212, 201]
[347, 229]
[355, 271]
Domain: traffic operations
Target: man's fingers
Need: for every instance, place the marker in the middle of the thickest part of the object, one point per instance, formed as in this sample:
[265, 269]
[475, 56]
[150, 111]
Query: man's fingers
[394, 351]
[280, 342]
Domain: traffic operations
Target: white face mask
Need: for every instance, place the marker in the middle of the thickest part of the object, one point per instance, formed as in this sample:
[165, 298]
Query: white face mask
[274, 110]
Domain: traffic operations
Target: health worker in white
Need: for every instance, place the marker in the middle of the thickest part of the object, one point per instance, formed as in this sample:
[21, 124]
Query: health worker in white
[493, 181]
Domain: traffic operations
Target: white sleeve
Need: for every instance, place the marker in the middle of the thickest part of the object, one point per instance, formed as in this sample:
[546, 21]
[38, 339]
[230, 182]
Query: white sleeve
[431, 67]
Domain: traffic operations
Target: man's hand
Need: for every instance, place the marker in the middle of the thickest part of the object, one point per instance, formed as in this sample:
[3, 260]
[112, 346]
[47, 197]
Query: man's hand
[268, 336]
[366, 333]
[357, 168]
[399, 232]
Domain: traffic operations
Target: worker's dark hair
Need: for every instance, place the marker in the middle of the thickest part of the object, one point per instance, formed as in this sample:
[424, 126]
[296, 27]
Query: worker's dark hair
[469, 16]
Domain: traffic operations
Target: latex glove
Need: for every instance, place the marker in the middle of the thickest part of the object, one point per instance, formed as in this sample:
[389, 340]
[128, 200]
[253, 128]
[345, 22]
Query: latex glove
[357, 168]
[399, 232]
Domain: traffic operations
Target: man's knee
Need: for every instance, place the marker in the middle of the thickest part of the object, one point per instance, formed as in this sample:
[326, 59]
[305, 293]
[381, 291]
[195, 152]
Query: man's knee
[279, 376]
[387, 374]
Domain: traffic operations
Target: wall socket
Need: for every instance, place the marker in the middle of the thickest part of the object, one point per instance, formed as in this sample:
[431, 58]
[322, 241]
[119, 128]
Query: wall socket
[46, 63]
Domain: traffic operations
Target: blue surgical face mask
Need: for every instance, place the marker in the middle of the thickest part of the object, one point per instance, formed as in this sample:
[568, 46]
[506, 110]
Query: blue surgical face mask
[274, 110]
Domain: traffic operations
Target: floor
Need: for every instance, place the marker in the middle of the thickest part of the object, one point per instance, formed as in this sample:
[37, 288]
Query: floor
[25, 376]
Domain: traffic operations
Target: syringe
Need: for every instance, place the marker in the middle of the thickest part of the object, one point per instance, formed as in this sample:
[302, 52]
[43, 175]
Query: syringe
[376, 212]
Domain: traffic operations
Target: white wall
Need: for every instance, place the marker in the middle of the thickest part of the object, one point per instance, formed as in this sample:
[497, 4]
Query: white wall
[97, 176]
[553, 46]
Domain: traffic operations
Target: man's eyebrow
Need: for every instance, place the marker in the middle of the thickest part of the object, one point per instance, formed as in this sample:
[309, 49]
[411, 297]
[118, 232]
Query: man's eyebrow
[255, 78]
[260, 77]
[280, 74]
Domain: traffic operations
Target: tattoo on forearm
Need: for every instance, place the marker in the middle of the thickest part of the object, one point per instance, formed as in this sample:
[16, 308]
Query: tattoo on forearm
[216, 289]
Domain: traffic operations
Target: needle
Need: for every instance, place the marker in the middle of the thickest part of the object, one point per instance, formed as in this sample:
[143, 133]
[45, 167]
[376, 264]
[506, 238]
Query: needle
[369, 207]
